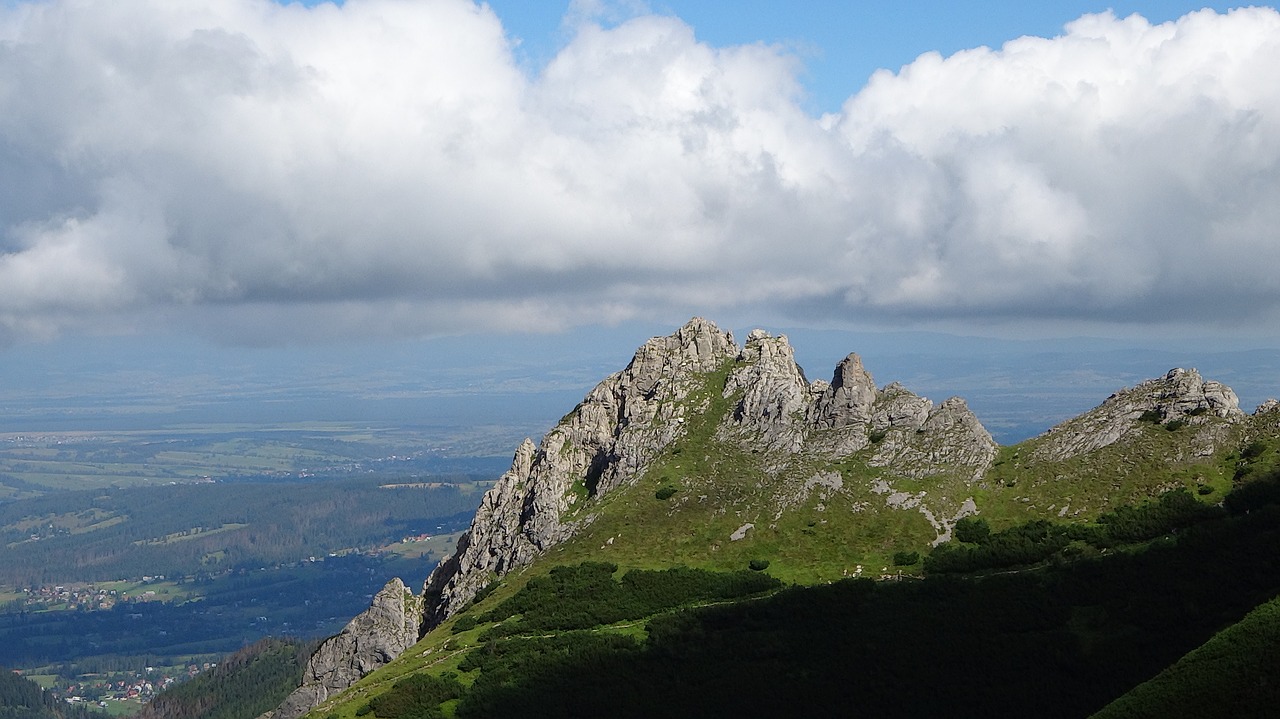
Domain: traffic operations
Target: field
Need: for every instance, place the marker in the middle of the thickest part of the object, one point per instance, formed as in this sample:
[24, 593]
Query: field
[167, 549]
[33, 464]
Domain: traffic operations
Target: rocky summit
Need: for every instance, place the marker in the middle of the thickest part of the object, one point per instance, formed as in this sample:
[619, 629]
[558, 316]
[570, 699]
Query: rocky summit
[795, 432]
[706, 453]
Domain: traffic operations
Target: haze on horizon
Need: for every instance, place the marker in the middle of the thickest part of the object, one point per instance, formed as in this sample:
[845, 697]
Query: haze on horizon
[259, 173]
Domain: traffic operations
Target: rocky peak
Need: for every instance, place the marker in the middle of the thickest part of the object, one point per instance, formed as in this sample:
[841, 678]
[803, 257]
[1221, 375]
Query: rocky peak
[1185, 393]
[699, 346]
[849, 399]
[899, 408]
[1181, 395]
[623, 423]
[378, 635]
[774, 394]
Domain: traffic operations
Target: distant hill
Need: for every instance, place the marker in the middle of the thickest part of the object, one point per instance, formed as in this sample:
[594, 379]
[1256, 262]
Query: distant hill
[1046, 563]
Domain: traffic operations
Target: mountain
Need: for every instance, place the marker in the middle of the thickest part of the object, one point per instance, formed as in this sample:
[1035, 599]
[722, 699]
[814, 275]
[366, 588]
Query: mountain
[725, 459]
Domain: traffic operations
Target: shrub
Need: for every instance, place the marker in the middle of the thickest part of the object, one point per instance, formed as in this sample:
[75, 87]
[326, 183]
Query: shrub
[1175, 508]
[877, 436]
[1154, 416]
[905, 559]
[418, 696]
[465, 622]
[665, 493]
[758, 565]
[485, 591]
[1254, 495]
[586, 595]
[973, 530]
[1175, 425]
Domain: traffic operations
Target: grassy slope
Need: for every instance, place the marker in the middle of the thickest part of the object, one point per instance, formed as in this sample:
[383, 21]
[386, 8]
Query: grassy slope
[1061, 640]
[826, 536]
[1234, 674]
[1019, 487]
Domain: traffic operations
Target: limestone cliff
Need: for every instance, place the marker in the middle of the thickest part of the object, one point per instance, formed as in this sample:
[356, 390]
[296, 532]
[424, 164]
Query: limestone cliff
[379, 634]
[603, 442]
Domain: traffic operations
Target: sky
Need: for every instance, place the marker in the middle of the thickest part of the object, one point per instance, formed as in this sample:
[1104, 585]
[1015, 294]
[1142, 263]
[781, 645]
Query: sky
[259, 174]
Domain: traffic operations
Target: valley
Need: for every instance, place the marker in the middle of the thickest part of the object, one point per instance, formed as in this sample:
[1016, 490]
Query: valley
[131, 557]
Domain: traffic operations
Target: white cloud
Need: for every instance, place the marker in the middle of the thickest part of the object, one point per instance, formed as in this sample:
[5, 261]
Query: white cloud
[385, 166]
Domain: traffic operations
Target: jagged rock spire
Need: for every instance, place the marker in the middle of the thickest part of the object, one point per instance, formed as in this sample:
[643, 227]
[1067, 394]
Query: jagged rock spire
[849, 398]
[619, 427]
[373, 638]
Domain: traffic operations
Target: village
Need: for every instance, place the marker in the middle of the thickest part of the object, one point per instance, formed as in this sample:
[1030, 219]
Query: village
[85, 597]
[138, 689]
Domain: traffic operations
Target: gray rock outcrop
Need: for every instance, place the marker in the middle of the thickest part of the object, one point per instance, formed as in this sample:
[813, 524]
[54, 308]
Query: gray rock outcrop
[848, 400]
[610, 437]
[774, 394]
[1181, 395]
[375, 637]
[932, 440]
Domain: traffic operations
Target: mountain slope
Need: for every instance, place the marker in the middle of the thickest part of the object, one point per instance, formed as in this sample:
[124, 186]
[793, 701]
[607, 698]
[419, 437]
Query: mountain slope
[1059, 640]
[245, 683]
[705, 454]
[1233, 674]
[21, 698]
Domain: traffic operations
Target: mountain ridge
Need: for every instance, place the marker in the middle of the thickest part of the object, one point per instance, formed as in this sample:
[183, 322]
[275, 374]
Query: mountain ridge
[726, 428]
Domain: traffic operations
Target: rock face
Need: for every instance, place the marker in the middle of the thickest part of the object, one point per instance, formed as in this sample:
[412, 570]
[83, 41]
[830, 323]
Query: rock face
[848, 400]
[378, 635]
[1180, 396]
[606, 440]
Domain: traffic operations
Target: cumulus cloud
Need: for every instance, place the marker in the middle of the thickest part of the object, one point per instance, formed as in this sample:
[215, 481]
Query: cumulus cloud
[386, 166]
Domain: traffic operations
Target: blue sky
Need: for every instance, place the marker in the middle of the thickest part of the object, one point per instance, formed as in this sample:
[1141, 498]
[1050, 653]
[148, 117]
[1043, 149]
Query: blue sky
[840, 43]
[249, 174]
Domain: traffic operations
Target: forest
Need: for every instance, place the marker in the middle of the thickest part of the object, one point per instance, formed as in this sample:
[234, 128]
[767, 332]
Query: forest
[22, 698]
[247, 683]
